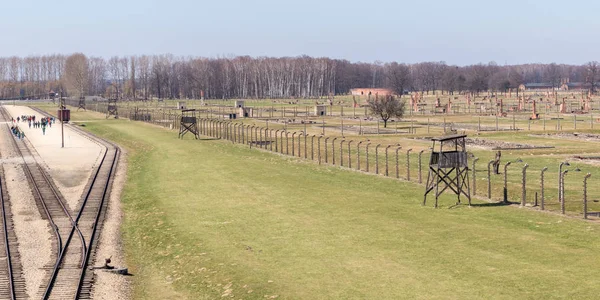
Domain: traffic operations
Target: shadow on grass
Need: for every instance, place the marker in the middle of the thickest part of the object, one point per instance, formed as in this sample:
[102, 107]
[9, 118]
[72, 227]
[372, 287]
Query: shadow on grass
[494, 204]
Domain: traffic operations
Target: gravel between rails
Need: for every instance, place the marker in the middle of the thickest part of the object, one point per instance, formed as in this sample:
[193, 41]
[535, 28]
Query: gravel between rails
[70, 169]
[108, 285]
[33, 233]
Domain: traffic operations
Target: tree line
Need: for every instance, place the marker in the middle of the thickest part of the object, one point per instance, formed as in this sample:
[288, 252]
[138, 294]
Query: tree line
[169, 76]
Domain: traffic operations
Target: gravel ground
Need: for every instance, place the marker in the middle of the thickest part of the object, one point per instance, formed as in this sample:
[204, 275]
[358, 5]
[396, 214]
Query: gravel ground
[70, 168]
[33, 233]
[108, 285]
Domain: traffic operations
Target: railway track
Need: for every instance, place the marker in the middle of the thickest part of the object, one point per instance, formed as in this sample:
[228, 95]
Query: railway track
[12, 283]
[74, 240]
[89, 220]
[53, 208]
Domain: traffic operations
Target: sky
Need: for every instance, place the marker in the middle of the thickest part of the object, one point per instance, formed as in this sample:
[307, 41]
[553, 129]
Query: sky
[459, 32]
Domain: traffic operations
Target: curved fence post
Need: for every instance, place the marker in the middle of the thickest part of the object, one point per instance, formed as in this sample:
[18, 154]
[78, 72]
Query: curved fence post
[358, 155]
[350, 154]
[333, 150]
[542, 203]
[420, 166]
[489, 178]
[369, 143]
[524, 182]
[585, 202]
[386, 160]
[293, 144]
[397, 161]
[342, 152]
[326, 158]
[377, 159]
[408, 164]
[475, 176]
[319, 148]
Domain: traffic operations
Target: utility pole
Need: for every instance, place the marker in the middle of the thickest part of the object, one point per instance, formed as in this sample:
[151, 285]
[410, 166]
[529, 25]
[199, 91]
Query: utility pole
[62, 123]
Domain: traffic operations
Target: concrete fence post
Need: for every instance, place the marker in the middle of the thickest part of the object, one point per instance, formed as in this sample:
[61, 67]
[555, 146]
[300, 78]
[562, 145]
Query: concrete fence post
[524, 188]
[368, 156]
[342, 152]
[333, 150]
[386, 160]
[326, 158]
[312, 147]
[349, 154]
[489, 178]
[397, 160]
[408, 164]
[358, 155]
[475, 176]
[252, 139]
[562, 191]
[420, 166]
[293, 144]
[542, 188]
[319, 149]
[505, 190]
[585, 202]
[377, 159]
[287, 143]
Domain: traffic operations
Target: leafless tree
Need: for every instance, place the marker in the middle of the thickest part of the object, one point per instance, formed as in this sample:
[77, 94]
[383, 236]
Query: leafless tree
[553, 75]
[592, 74]
[397, 77]
[76, 74]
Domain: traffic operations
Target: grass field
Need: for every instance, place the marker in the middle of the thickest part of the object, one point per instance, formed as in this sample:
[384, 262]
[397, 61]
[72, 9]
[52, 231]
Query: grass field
[209, 219]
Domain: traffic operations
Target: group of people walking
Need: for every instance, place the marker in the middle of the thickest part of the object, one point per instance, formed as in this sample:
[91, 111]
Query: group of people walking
[17, 132]
[31, 120]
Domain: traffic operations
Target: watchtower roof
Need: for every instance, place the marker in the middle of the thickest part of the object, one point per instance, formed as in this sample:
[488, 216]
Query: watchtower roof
[449, 137]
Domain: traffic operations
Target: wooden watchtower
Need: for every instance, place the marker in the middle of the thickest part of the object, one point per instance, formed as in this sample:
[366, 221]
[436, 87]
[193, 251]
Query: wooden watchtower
[112, 109]
[81, 104]
[448, 167]
[189, 123]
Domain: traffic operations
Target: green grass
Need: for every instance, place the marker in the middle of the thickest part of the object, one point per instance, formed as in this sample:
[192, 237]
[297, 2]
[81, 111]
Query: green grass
[208, 218]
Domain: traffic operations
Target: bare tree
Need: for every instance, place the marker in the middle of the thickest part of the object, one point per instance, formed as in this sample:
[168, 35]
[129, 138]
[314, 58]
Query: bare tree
[76, 74]
[553, 74]
[386, 107]
[397, 77]
[592, 74]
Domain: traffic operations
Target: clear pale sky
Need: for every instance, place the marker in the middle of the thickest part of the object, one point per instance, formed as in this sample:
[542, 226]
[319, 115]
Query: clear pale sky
[457, 32]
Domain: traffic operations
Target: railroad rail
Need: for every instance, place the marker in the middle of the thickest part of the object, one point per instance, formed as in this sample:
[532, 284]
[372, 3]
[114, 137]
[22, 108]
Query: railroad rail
[89, 220]
[12, 283]
[53, 207]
